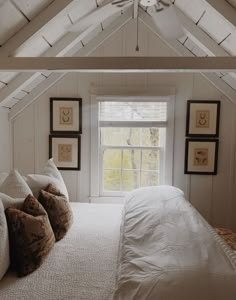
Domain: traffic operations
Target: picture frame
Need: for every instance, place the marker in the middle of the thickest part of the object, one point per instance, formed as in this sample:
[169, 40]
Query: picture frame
[65, 150]
[201, 156]
[65, 115]
[203, 118]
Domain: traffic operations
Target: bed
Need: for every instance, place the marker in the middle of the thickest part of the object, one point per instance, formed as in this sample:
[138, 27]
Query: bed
[155, 247]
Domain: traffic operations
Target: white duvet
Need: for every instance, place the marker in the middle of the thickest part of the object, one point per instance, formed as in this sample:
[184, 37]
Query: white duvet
[169, 252]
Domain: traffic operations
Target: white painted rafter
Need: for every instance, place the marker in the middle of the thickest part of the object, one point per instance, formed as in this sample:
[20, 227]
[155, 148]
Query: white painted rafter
[225, 9]
[179, 49]
[199, 37]
[48, 14]
[85, 51]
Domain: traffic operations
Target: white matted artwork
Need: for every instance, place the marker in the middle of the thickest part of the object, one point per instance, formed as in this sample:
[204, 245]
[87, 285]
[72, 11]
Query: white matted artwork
[66, 115]
[203, 118]
[201, 156]
[65, 150]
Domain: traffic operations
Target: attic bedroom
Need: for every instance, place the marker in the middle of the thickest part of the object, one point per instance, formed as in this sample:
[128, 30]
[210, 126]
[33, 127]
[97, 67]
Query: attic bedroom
[138, 201]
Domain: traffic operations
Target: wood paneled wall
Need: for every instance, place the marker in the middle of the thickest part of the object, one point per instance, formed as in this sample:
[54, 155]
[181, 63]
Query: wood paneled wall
[213, 196]
[5, 142]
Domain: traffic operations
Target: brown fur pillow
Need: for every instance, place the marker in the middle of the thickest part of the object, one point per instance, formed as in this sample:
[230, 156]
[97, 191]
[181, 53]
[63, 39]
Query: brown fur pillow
[31, 236]
[59, 211]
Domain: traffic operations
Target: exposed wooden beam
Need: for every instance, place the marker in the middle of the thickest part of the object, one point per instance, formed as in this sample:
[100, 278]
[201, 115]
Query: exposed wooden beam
[116, 64]
[53, 10]
[179, 49]
[199, 37]
[225, 9]
[86, 50]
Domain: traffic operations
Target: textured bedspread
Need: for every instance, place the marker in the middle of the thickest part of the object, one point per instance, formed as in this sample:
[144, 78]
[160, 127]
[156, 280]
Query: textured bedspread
[169, 252]
[82, 266]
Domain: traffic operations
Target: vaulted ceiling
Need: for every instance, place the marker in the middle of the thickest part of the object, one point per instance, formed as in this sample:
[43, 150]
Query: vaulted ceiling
[41, 28]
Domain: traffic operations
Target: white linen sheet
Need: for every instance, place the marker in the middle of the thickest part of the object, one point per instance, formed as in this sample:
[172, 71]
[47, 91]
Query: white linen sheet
[82, 266]
[169, 252]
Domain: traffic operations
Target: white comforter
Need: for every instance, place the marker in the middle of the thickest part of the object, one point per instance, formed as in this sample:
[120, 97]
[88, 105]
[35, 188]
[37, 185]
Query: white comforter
[169, 252]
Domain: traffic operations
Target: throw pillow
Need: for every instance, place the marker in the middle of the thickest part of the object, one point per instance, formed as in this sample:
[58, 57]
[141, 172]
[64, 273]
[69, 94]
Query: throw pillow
[31, 236]
[58, 209]
[5, 202]
[15, 186]
[51, 175]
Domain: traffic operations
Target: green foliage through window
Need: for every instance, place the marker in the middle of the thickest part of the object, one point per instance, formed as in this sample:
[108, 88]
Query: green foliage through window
[128, 163]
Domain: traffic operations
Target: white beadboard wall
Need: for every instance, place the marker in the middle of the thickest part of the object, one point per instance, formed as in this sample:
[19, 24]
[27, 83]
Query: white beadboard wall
[213, 196]
[5, 142]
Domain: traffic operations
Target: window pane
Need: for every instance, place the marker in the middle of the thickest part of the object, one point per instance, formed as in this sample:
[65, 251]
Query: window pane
[116, 136]
[120, 136]
[112, 159]
[133, 111]
[150, 160]
[131, 159]
[150, 137]
[149, 178]
[111, 180]
[130, 180]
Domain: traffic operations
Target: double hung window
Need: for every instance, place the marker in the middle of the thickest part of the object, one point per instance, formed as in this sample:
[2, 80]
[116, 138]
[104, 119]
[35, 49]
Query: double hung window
[131, 138]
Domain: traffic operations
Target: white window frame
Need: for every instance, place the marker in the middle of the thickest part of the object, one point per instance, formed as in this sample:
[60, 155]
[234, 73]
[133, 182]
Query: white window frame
[96, 155]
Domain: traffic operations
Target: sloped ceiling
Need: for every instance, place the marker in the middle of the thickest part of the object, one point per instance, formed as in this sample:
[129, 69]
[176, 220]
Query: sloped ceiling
[40, 28]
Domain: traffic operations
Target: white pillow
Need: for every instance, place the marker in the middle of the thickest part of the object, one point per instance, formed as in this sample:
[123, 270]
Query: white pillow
[8, 201]
[15, 186]
[3, 176]
[4, 244]
[51, 170]
[5, 202]
[50, 174]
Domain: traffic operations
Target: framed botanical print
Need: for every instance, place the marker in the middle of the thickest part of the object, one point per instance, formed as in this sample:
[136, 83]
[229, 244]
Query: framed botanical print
[201, 156]
[203, 118]
[66, 115]
[65, 150]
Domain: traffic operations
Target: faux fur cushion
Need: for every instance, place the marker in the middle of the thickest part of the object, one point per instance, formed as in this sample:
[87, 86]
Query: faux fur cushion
[5, 202]
[31, 236]
[59, 211]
